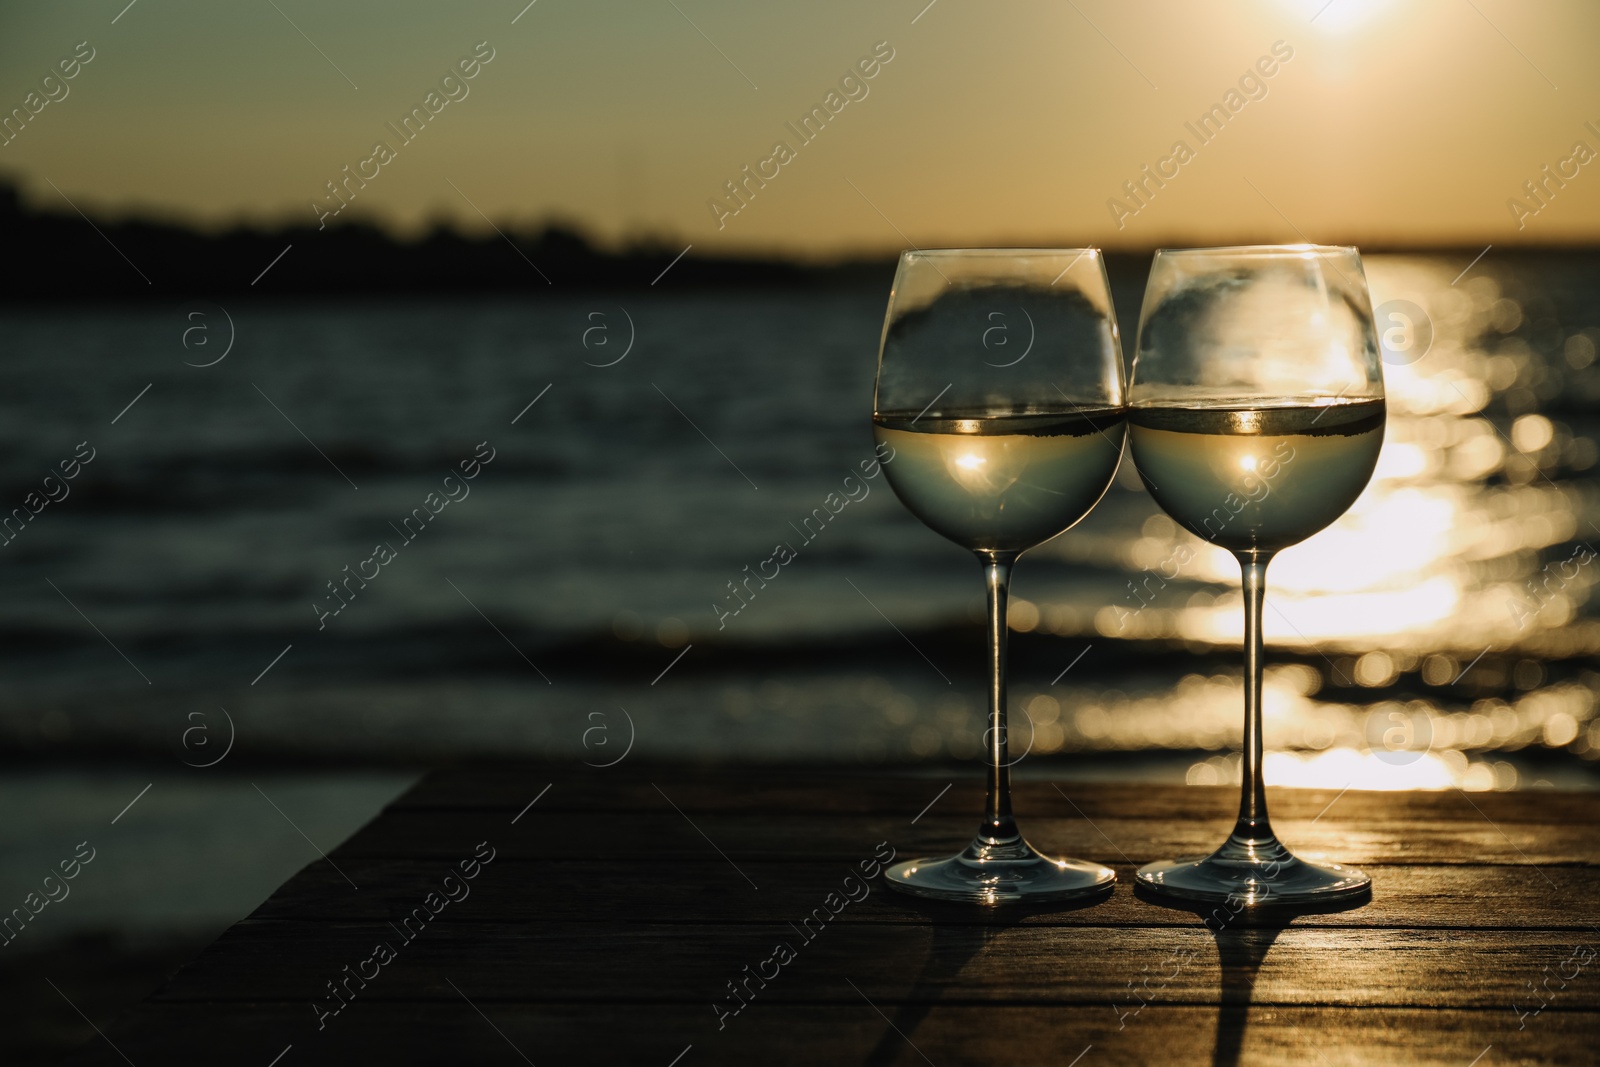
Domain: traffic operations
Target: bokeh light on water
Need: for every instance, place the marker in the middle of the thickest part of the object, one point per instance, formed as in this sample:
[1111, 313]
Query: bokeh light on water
[1455, 590]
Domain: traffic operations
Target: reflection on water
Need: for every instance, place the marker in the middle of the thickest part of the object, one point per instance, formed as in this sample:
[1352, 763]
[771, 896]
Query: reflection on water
[1441, 633]
[1464, 567]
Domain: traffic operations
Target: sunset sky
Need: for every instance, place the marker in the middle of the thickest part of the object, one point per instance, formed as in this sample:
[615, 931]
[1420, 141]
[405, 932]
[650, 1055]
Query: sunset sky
[1013, 122]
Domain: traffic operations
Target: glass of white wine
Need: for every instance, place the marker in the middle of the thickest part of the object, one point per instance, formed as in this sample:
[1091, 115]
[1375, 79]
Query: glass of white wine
[1256, 413]
[1000, 394]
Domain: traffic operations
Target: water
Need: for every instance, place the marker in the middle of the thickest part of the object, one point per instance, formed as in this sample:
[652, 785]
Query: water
[573, 597]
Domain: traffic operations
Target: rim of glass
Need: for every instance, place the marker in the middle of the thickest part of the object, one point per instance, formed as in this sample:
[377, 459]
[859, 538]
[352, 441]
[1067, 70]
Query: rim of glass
[995, 251]
[1267, 251]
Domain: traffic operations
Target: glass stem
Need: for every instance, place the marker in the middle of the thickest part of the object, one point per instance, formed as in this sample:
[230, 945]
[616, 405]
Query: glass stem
[998, 826]
[1253, 826]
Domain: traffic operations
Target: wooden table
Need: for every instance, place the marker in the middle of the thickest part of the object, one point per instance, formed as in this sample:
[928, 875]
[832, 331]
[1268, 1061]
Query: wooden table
[620, 904]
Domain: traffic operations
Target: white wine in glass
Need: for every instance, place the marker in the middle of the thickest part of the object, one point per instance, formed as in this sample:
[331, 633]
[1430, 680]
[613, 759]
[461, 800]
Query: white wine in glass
[1003, 483]
[1256, 413]
[999, 455]
[1291, 470]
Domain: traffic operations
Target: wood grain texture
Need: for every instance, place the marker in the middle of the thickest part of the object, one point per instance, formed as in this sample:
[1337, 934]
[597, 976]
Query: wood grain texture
[610, 891]
[949, 1035]
[677, 963]
[666, 834]
[617, 910]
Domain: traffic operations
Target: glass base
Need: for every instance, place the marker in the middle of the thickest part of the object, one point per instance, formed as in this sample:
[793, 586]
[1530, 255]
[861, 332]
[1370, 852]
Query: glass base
[1257, 873]
[1009, 873]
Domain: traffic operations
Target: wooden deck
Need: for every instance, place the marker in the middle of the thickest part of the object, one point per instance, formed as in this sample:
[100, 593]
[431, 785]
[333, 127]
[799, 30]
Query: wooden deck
[617, 909]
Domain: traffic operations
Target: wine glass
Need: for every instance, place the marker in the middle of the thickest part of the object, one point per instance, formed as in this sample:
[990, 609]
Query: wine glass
[1255, 416]
[999, 410]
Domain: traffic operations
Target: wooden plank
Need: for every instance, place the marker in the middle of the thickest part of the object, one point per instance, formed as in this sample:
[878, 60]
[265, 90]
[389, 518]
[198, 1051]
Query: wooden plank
[626, 891]
[667, 834]
[824, 792]
[453, 1032]
[891, 964]
[613, 918]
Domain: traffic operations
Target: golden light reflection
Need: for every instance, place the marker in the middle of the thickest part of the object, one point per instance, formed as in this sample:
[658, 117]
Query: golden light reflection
[1453, 581]
[1341, 768]
[1438, 551]
[1327, 744]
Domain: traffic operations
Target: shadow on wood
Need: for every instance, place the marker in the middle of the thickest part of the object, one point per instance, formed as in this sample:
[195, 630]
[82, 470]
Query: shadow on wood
[1243, 940]
[960, 932]
[1240, 952]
